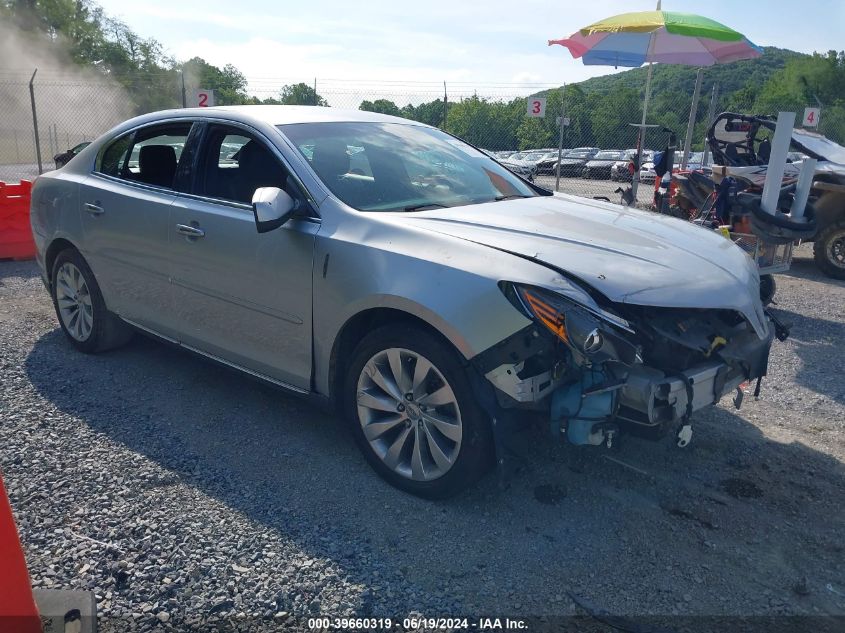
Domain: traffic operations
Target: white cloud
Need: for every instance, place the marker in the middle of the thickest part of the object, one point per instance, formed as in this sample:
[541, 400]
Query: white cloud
[482, 45]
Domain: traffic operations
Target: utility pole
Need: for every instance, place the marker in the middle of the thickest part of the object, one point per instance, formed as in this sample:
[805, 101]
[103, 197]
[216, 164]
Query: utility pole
[445, 106]
[184, 96]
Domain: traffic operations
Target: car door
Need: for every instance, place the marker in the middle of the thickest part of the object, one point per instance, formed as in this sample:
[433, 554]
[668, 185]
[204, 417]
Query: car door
[126, 222]
[241, 296]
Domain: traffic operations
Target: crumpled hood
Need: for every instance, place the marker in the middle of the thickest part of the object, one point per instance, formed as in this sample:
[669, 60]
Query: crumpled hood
[630, 256]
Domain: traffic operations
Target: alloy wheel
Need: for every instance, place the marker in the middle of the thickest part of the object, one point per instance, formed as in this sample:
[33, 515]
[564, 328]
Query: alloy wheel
[74, 301]
[409, 414]
[836, 250]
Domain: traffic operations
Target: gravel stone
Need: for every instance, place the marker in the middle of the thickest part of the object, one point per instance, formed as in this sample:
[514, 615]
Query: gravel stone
[188, 497]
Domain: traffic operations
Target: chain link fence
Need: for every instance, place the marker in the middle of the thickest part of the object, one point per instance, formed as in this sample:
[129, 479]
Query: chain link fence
[596, 132]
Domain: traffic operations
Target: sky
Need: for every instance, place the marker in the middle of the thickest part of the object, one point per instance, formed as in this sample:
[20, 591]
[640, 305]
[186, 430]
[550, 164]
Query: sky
[494, 45]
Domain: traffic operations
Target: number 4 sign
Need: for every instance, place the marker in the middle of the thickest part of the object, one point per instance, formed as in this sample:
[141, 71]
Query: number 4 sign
[202, 98]
[537, 106]
[811, 117]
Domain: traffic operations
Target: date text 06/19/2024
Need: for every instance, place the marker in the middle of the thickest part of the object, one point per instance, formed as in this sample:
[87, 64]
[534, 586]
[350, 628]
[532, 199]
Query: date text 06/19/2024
[416, 623]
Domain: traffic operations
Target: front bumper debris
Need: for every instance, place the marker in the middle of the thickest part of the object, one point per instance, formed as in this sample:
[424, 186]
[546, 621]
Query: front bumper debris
[591, 399]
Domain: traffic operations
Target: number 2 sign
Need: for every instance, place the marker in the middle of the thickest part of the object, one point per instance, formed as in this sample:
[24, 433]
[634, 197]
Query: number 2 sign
[537, 106]
[203, 98]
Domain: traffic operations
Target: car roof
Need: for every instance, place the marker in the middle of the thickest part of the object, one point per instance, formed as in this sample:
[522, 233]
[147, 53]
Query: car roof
[259, 116]
[287, 114]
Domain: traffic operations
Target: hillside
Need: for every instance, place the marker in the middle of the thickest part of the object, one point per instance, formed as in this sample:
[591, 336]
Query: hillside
[674, 79]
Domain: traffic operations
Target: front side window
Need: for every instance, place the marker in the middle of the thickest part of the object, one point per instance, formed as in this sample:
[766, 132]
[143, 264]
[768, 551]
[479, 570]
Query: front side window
[375, 166]
[234, 164]
[148, 156]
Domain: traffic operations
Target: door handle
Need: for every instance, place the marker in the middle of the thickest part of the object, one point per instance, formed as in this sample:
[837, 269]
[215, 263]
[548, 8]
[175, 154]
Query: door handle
[189, 231]
[94, 209]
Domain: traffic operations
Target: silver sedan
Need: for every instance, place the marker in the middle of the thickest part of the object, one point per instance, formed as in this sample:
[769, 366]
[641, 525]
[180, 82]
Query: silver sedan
[388, 269]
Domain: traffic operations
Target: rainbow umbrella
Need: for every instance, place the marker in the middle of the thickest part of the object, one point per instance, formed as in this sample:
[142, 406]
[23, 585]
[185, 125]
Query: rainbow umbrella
[667, 37]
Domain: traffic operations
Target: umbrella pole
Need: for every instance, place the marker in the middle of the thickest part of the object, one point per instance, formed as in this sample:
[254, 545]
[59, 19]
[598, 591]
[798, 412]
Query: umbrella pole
[693, 112]
[635, 182]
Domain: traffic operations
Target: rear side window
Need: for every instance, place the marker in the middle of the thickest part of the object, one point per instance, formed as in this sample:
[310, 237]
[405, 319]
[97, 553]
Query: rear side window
[115, 156]
[150, 155]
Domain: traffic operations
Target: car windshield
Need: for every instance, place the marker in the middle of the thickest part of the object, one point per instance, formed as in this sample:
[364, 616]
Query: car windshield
[579, 153]
[375, 166]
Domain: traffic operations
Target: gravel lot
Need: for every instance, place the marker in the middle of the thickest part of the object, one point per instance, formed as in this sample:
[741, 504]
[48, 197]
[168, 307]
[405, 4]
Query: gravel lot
[181, 492]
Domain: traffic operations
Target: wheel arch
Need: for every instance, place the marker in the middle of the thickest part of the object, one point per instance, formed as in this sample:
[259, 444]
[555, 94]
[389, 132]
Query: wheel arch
[358, 325]
[56, 246]
[830, 208]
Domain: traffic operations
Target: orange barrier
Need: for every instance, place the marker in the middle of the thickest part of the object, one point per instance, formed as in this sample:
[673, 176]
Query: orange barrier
[15, 231]
[18, 613]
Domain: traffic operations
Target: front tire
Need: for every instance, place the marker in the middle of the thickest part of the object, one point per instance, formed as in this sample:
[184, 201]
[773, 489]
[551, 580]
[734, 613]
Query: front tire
[80, 308]
[768, 288]
[413, 413]
[829, 250]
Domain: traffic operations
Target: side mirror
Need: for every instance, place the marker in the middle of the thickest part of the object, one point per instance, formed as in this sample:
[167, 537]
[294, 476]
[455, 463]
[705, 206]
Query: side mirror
[272, 207]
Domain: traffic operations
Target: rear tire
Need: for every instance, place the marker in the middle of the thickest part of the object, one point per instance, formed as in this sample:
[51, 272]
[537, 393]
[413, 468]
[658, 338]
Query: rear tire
[80, 308]
[425, 433]
[829, 250]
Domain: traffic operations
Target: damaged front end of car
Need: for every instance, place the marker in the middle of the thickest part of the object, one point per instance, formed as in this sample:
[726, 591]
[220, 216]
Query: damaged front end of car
[600, 368]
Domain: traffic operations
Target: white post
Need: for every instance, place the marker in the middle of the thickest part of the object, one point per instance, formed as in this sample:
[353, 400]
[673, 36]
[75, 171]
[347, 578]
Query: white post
[802, 189]
[777, 161]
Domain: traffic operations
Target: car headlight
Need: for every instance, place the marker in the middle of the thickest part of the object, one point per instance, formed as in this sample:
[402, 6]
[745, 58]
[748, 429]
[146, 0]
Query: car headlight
[587, 330]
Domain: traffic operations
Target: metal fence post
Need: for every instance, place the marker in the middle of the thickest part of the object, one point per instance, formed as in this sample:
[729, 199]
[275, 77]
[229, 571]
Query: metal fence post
[35, 122]
[693, 112]
[711, 112]
[560, 139]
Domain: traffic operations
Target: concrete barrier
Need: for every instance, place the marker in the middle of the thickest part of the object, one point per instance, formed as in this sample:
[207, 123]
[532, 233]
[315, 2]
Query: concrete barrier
[15, 231]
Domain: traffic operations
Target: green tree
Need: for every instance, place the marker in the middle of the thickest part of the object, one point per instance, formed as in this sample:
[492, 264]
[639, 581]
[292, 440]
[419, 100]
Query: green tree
[228, 83]
[801, 82]
[611, 116]
[430, 112]
[488, 124]
[383, 106]
[301, 94]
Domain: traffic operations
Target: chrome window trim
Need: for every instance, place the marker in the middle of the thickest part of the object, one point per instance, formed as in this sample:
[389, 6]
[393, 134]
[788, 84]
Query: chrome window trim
[239, 206]
[138, 185]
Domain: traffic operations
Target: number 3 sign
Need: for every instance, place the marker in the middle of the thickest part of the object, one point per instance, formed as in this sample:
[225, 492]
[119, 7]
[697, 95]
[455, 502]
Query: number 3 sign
[203, 98]
[537, 106]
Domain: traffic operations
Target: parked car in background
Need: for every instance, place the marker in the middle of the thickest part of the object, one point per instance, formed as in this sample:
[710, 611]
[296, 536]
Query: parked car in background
[600, 165]
[524, 169]
[647, 173]
[65, 157]
[575, 160]
[423, 300]
[620, 170]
